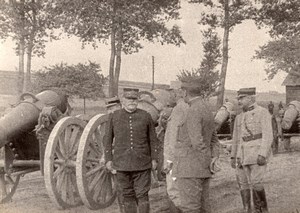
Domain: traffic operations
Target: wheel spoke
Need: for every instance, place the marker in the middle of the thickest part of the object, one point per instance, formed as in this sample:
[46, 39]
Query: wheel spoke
[59, 153]
[74, 140]
[67, 138]
[60, 180]
[97, 177]
[64, 188]
[95, 149]
[94, 170]
[61, 144]
[58, 172]
[71, 189]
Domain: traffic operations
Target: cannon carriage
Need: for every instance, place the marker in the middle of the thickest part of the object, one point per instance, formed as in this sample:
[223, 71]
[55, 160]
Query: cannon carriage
[38, 134]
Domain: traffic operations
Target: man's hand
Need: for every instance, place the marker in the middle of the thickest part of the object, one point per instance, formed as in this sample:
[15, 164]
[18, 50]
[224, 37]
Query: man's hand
[261, 160]
[154, 164]
[168, 167]
[233, 163]
[213, 165]
[109, 167]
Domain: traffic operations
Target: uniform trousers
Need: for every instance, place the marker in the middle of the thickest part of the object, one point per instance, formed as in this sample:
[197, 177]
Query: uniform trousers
[134, 184]
[172, 188]
[251, 176]
[194, 195]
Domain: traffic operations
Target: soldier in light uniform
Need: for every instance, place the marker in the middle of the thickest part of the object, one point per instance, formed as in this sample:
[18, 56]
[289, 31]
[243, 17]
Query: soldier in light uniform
[134, 153]
[178, 115]
[195, 151]
[251, 150]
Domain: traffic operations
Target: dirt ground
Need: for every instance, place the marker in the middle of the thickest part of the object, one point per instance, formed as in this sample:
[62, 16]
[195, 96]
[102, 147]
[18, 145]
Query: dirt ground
[282, 186]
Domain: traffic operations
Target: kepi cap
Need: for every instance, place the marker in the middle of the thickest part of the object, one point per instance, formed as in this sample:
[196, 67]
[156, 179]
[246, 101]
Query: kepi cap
[112, 101]
[246, 92]
[130, 93]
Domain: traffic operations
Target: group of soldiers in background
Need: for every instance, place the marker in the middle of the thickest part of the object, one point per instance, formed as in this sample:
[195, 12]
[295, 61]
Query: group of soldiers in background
[190, 150]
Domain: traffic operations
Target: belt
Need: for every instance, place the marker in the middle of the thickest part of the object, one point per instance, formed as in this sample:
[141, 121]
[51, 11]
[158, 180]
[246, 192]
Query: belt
[252, 137]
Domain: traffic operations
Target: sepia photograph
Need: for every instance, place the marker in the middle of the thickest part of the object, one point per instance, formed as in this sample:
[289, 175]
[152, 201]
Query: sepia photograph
[149, 106]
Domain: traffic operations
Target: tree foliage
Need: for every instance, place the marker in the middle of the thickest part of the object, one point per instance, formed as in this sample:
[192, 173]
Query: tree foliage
[224, 14]
[81, 80]
[28, 23]
[207, 74]
[126, 24]
[282, 19]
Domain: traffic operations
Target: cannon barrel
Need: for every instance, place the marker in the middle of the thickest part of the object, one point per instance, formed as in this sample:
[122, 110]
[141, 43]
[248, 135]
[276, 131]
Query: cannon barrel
[223, 114]
[24, 116]
[290, 115]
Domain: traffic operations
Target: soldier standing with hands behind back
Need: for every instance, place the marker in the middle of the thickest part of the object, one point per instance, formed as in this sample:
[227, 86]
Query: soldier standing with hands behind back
[135, 151]
[195, 151]
[251, 149]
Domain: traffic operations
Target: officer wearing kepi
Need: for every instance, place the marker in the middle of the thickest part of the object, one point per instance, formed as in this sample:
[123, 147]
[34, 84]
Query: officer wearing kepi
[134, 152]
[251, 150]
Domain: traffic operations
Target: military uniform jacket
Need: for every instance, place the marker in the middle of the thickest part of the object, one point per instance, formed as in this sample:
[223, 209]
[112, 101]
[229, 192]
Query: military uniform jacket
[177, 116]
[255, 124]
[135, 141]
[196, 142]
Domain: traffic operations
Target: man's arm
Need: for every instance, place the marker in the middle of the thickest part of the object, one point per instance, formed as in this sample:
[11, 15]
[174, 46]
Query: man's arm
[108, 139]
[152, 138]
[215, 145]
[267, 134]
[235, 137]
[194, 128]
[177, 116]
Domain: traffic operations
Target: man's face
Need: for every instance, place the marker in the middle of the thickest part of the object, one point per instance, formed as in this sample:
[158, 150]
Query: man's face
[244, 102]
[130, 104]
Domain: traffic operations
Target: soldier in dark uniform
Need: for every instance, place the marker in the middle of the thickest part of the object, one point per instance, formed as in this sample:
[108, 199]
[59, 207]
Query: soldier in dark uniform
[135, 151]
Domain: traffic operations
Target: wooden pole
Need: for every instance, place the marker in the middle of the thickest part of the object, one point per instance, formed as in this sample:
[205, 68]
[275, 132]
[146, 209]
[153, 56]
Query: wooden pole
[152, 73]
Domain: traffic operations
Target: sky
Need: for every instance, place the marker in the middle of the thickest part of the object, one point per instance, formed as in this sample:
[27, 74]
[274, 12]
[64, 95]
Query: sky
[242, 70]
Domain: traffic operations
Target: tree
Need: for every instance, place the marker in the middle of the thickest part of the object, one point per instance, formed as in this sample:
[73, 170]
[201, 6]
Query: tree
[225, 14]
[28, 23]
[207, 74]
[125, 23]
[282, 19]
[82, 80]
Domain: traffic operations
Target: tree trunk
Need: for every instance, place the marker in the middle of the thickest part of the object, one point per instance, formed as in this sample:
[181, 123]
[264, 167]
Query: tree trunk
[112, 54]
[112, 63]
[225, 55]
[27, 82]
[118, 59]
[84, 105]
[21, 49]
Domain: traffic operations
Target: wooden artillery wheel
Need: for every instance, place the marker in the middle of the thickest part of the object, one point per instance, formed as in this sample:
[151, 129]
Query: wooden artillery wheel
[95, 183]
[8, 186]
[60, 161]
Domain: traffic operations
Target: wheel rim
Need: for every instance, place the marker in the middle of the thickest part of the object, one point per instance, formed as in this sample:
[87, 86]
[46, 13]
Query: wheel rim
[96, 184]
[60, 161]
[8, 186]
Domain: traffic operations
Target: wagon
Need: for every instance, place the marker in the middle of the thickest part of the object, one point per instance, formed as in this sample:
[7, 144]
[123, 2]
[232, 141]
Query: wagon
[38, 134]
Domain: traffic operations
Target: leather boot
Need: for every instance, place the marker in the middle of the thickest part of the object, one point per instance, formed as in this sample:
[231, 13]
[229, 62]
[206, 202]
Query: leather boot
[246, 198]
[260, 201]
[173, 208]
[144, 207]
[130, 206]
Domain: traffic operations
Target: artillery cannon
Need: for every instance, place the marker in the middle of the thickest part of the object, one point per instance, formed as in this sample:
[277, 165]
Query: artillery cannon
[224, 120]
[290, 123]
[19, 147]
[38, 134]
